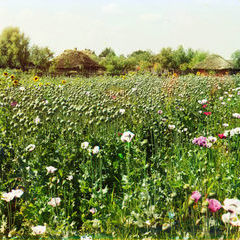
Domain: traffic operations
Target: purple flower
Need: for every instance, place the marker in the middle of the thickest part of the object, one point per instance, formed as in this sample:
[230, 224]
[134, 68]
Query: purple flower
[13, 104]
[160, 112]
[214, 205]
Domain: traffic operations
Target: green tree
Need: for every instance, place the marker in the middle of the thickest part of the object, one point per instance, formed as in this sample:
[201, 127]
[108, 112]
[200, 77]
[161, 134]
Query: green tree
[107, 52]
[236, 58]
[14, 48]
[166, 59]
[40, 57]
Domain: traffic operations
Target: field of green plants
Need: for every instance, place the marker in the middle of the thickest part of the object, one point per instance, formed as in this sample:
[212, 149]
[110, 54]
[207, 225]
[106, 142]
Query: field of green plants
[133, 156]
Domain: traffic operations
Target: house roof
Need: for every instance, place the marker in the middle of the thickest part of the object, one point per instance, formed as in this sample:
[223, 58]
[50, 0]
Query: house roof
[72, 59]
[214, 62]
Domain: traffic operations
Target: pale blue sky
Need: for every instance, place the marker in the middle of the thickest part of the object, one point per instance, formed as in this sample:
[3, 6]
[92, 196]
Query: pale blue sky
[212, 25]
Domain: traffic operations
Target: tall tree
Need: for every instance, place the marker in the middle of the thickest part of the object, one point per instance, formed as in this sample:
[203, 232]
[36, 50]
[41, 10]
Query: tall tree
[236, 58]
[107, 52]
[14, 48]
[40, 57]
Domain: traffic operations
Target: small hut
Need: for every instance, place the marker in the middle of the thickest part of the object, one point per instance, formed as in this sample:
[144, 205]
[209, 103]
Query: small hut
[214, 63]
[76, 62]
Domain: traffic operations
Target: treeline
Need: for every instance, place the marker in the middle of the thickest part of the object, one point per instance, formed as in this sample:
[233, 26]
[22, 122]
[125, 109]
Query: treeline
[16, 52]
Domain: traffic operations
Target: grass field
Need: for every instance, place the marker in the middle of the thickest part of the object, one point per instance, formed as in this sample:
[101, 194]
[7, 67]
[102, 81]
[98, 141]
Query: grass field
[134, 156]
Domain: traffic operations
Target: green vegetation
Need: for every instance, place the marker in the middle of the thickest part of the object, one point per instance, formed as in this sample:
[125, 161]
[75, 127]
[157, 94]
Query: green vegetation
[120, 156]
[15, 52]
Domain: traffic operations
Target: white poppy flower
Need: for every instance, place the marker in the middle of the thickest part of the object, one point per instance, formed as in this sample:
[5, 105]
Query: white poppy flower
[127, 136]
[51, 169]
[39, 230]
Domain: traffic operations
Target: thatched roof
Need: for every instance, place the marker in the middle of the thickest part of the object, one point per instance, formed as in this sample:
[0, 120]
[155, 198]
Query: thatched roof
[214, 62]
[73, 59]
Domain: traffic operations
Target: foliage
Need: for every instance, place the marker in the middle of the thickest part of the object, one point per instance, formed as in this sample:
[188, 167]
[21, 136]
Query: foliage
[126, 189]
[107, 52]
[236, 59]
[40, 57]
[14, 50]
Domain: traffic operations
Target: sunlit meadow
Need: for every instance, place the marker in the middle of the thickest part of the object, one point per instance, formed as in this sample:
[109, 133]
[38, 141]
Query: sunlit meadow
[133, 156]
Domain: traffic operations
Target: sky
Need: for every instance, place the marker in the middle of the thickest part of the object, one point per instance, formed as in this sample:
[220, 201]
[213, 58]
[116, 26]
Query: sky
[127, 26]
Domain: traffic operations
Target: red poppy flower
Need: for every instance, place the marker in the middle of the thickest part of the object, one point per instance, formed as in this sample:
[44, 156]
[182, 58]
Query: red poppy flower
[207, 113]
[221, 135]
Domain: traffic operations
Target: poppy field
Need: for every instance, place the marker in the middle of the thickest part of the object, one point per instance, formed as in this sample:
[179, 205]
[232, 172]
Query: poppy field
[127, 157]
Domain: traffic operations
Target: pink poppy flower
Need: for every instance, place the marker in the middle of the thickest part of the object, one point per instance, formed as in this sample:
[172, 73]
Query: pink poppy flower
[196, 196]
[13, 104]
[214, 205]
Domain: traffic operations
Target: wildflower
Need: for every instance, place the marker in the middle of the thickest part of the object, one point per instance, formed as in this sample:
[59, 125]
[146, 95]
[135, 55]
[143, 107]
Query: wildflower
[148, 223]
[198, 74]
[12, 76]
[223, 103]
[214, 205]
[207, 113]
[232, 205]
[84, 145]
[5, 74]
[86, 238]
[212, 139]
[160, 112]
[35, 79]
[39, 230]
[51, 169]
[30, 148]
[134, 89]
[13, 104]
[15, 83]
[96, 150]
[171, 127]
[22, 88]
[17, 193]
[221, 135]
[64, 81]
[37, 120]
[226, 217]
[127, 136]
[54, 202]
[175, 75]
[204, 106]
[165, 226]
[122, 111]
[70, 177]
[196, 196]
[232, 132]
[202, 102]
[200, 112]
[236, 115]
[93, 210]
[225, 125]
[220, 98]
[8, 196]
[171, 215]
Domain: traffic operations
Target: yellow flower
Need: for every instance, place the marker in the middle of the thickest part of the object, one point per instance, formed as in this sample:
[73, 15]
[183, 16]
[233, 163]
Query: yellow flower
[15, 82]
[175, 75]
[47, 84]
[36, 78]
[40, 84]
[198, 73]
[12, 76]
[64, 81]
[5, 74]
